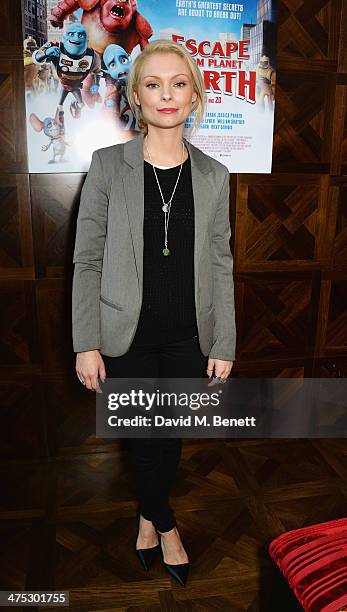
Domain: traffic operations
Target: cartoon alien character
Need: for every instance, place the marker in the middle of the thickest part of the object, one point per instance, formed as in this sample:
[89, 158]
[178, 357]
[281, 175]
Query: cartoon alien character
[266, 81]
[117, 64]
[74, 62]
[107, 22]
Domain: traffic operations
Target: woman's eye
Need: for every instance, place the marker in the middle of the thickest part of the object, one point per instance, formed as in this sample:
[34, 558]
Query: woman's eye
[155, 84]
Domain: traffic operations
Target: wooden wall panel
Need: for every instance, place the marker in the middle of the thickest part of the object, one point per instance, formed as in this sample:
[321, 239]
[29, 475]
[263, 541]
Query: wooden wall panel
[13, 152]
[54, 201]
[69, 416]
[277, 317]
[338, 200]
[282, 222]
[11, 28]
[54, 324]
[23, 426]
[289, 234]
[16, 242]
[19, 326]
[336, 327]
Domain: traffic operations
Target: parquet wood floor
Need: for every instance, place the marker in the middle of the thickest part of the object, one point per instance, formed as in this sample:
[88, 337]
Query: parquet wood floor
[69, 524]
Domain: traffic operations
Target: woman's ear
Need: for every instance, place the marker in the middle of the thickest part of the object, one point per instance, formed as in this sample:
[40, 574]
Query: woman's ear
[136, 97]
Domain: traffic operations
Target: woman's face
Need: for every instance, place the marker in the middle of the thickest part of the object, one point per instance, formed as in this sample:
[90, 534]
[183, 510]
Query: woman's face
[165, 90]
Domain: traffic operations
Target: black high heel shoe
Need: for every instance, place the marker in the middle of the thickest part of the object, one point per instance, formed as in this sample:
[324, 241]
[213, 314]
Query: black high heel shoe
[146, 555]
[179, 571]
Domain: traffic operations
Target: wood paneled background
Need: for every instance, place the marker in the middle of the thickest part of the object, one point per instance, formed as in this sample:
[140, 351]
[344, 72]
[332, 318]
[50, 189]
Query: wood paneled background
[289, 240]
[67, 505]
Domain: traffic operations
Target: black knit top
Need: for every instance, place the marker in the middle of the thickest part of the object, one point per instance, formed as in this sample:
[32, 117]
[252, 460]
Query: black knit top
[168, 304]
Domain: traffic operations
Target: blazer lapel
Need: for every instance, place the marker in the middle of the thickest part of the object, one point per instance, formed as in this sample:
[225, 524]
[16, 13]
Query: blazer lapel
[133, 183]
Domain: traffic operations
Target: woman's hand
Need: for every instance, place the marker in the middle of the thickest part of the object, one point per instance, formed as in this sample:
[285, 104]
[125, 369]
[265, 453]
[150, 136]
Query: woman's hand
[90, 366]
[220, 368]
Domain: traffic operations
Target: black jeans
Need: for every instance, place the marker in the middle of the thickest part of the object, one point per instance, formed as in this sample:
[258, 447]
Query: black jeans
[155, 460]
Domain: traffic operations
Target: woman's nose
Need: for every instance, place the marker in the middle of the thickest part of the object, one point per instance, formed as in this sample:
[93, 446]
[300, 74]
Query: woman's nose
[166, 94]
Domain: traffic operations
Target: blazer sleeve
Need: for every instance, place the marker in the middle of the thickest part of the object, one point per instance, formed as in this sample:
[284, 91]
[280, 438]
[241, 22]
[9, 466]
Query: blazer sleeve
[224, 338]
[88, 257]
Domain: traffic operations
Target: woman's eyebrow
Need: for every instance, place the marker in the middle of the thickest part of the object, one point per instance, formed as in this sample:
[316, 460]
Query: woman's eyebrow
[154, 76]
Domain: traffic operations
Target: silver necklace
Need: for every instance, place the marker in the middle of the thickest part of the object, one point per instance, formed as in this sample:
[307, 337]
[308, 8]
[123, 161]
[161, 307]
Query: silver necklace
[166, 205]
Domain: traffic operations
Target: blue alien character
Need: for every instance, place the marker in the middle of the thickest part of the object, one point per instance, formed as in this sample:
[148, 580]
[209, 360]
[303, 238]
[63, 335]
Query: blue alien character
[74, 62]
[116, 68]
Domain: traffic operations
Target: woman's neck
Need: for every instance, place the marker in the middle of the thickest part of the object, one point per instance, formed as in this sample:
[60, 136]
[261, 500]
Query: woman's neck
[165, 149]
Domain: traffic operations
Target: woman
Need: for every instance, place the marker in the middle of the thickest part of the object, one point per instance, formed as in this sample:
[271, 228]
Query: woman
[153, 292]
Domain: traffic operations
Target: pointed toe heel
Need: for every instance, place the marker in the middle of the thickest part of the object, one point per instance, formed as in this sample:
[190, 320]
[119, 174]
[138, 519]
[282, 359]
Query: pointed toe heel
[179, 572]
[147, 555]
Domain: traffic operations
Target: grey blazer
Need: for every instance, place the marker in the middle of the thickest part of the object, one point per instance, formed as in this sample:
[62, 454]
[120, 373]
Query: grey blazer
[108, 255]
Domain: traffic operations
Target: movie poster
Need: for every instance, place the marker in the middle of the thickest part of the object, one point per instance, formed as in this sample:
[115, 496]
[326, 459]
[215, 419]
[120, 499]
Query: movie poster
[78, 53]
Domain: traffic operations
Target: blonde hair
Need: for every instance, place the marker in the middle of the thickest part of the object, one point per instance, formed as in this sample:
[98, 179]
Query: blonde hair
[166, 46]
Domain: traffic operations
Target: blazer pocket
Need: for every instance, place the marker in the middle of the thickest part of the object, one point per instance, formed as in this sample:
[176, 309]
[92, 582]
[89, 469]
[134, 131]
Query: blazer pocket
[111, 304]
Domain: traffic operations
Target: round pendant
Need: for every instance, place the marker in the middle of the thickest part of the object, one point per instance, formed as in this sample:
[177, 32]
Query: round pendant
[165, 208]
[166, 251]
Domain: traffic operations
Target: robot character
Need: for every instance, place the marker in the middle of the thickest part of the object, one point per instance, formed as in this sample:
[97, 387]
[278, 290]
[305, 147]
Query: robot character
[55, 131]
[31, 70]
[29, 46]
[107, 22]
[117, 64]
[74, 62]
[266, 81]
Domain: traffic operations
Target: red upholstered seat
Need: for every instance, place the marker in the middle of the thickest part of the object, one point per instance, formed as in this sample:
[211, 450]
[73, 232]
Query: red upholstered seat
[314, 561]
